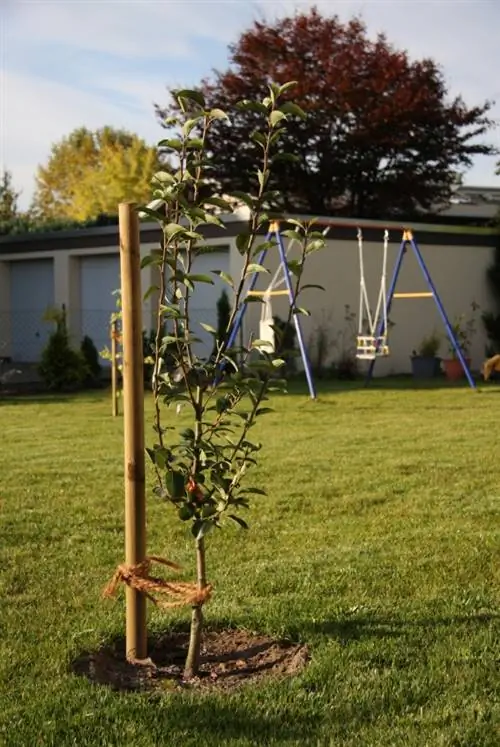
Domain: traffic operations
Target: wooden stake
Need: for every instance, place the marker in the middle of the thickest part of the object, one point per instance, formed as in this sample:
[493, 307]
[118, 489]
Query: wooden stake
[114, 368]
[133, 411]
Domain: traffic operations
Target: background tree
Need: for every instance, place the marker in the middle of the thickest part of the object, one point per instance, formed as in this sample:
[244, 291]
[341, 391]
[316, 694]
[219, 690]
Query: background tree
[380, 136]
[89, 173]
[8, 198]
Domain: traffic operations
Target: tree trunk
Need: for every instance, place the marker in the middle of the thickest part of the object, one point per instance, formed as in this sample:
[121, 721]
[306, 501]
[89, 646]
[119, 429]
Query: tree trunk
[192, 665]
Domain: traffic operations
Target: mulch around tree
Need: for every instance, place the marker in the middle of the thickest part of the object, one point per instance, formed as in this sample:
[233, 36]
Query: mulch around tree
[230, 658]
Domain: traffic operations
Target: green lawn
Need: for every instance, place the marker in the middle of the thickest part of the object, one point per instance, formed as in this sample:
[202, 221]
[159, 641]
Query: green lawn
[378, 546]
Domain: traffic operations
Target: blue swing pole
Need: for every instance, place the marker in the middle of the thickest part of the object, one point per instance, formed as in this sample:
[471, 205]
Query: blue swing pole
[298, 326]
[441, 309]
[381, 327]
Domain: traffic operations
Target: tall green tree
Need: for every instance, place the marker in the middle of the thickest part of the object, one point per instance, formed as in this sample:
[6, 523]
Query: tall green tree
[381, 136]
[89, 173]
[8, 198]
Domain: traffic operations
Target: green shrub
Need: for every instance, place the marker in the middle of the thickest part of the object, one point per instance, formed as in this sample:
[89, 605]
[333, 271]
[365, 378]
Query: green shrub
[61, 367]
[90, 355]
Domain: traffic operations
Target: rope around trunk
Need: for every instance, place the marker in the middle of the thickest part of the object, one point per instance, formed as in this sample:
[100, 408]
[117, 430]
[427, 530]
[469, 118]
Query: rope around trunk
[138, 577]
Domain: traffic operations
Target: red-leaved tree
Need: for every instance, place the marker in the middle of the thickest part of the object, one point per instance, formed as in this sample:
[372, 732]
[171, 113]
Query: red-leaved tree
[381, 136]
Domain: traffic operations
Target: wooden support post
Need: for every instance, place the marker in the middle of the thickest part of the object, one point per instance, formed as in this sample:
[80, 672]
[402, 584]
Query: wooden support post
[114, 369]
[133, 411]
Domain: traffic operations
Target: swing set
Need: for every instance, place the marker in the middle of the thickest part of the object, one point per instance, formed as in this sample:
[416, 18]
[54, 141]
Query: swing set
[375, 344]
[372, 339]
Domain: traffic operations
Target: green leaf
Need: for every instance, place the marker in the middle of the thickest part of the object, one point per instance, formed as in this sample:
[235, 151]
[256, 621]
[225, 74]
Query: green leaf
[157, 215]
[255, 491]
[295, 267]
[247, 199]
[242, 242]
[260, 344]
[201, 279]
[218, 202]
[195, 96]
[262, 176]
[187, 434]
[195, 143]
[221, 404]
[173, 229]
[239, 521]
[225, 277]
[301, 310]
[258, 137]
[251, 106]
[315, 245]
[164, 177]
[278, 362]
[218, 114]
[186, 512]
[290, 108]
[208, 510]
[208, 328]
[276, 117]
[190, 124]
[174, 482]
[287, 86]
[286, 158]
[151, 259]
[172, 143]
[253, 267]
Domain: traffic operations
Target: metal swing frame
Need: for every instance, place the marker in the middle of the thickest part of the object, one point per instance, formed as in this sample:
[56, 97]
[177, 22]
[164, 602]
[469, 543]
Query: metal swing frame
[274, 233]
[408, 240]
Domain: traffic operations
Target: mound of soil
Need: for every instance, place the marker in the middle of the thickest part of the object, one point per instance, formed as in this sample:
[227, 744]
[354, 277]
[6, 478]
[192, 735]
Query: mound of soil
[229, 659]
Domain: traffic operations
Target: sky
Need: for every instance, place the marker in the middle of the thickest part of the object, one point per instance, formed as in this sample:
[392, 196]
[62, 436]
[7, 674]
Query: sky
[71, 63]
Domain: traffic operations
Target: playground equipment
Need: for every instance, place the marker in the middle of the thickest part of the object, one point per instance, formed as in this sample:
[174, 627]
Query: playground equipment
[266, 326]
[376, 344]
[372, 345]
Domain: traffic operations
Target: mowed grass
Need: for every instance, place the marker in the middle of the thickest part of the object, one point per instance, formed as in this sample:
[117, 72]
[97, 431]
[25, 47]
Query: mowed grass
[378, 545]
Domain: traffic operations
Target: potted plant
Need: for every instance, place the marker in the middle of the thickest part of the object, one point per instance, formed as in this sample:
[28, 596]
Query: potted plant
[425, 362]
[464, 330]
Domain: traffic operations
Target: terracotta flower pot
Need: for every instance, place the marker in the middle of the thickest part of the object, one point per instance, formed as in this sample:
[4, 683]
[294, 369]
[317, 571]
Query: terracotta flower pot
[453, 368]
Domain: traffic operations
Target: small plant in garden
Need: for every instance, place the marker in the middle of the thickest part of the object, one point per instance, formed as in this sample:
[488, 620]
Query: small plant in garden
[464, 328]
[90, 355]
[429, 346]
[202, 468]
[61, 367]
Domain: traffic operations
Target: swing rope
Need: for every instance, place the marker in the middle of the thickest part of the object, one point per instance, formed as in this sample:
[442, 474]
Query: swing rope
[370, 346]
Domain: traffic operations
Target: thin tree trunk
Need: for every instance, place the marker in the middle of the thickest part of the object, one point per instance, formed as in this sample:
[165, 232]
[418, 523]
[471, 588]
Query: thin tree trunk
[192, 666]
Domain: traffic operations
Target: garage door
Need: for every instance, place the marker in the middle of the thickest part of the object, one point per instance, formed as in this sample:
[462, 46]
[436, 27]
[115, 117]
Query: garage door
[204, 299]
[31, 294]
[99, 278]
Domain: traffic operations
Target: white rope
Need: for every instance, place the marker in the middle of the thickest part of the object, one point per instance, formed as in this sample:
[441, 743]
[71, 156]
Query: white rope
[364, 304]
[369, 346]
[382, 296]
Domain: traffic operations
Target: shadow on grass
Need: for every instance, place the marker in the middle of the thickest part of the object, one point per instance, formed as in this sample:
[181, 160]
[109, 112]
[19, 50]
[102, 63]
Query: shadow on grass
[358, 628]
[216, 722]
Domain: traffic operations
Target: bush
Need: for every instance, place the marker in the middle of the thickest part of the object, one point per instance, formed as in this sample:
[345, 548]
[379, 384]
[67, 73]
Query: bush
[90, 355]
[61, 367]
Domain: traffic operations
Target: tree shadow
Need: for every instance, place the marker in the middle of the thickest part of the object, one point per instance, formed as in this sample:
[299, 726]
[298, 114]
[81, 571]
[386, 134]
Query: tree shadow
[348, 629]
[36, 399]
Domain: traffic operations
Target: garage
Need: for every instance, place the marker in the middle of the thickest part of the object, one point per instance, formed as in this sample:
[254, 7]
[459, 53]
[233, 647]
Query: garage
[99, 278]
[31, 294]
